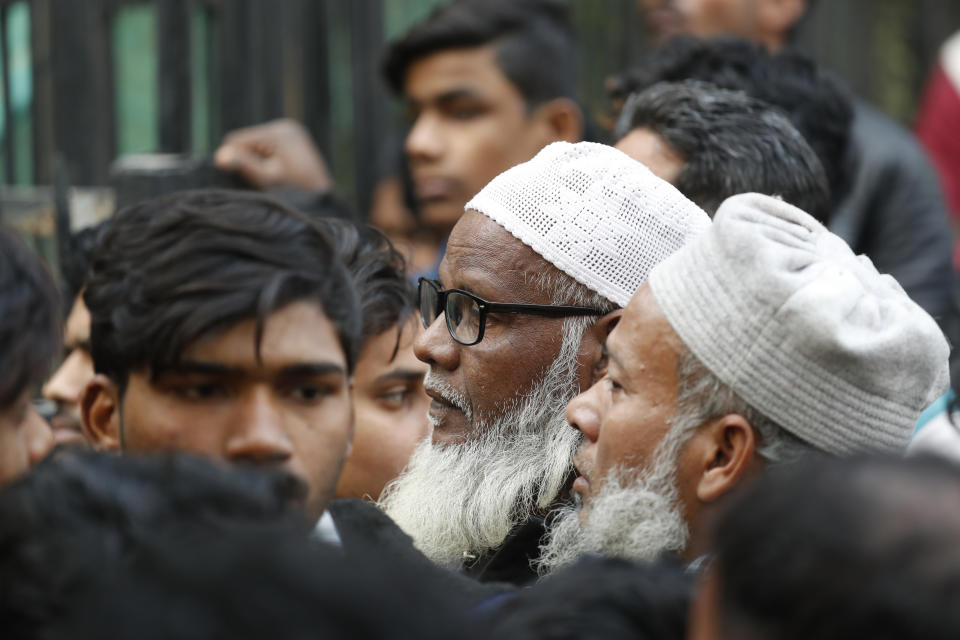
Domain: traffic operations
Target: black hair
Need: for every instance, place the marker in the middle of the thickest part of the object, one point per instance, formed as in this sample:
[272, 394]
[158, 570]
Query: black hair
[379, 275]
[257, 585]
[173, 269]
[601, 598]
[815, 101]
[534, 39]
[94, 545]
[730, 143]
[29, 318]
[853, 548]
[80, 513]
[76, 259]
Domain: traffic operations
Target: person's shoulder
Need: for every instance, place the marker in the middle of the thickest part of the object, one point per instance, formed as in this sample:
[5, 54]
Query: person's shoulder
[367, 531]
[881, 138]
[359, 521]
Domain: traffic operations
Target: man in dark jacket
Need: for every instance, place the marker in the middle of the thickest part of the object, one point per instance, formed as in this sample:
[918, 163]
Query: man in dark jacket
[889, 204]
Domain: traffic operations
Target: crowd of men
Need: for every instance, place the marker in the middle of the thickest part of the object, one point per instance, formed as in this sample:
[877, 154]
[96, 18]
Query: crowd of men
[661, 389]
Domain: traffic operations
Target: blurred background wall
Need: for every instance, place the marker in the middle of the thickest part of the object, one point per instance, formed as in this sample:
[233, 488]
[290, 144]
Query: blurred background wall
[84, 81]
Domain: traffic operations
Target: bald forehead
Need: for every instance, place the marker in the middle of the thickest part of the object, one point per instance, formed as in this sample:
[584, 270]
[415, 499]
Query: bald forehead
[479, 247]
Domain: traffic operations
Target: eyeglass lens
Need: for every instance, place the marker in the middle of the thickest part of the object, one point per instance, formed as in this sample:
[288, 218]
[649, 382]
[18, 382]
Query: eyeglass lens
[463, 317]
[462, 312]
[428, 303]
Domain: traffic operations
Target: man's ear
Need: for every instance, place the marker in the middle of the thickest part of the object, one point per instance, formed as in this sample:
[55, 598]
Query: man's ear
[563, 120]
[100, 412]
[724, 452]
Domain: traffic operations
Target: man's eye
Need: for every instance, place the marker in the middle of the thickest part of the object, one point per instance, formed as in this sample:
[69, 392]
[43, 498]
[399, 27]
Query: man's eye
[614, 385]
[308, 393]
[396, 399]
[198, 392]
[463, 111]
[466, 113]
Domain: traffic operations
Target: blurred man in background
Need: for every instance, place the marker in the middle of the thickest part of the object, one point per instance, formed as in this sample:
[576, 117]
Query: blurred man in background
[66, 386]
[390, 405]
[712, 143]
[488, 83]
[29, 324]
[891, 207]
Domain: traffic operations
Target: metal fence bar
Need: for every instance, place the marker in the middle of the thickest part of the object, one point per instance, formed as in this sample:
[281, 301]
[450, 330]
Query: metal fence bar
[9, 158]
[316, 72]
[83, 97]
[173, 75]
[41, 107]
[370, 99]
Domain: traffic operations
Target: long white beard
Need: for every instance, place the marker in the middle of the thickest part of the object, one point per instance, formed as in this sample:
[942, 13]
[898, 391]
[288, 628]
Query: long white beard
[466, 497]
[638, 517]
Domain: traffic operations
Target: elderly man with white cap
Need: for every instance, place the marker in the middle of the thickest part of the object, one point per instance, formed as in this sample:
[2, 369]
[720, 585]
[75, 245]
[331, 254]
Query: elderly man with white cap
[762, 341]
[514, 328]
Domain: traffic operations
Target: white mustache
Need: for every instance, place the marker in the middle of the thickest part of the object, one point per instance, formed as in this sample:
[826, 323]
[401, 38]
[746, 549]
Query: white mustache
[440, 387]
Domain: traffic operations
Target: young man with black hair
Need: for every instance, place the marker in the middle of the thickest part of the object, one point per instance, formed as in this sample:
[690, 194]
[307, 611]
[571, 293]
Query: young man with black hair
[29, 320]
[489, 83]
[223, 324]
[713, 143]
[863, 548]
[390, 405]
[66, 386]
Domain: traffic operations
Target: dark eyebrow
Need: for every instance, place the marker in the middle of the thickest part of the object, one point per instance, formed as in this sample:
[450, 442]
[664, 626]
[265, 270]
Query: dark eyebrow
[313, 369]
[400, 375]
[187, 367]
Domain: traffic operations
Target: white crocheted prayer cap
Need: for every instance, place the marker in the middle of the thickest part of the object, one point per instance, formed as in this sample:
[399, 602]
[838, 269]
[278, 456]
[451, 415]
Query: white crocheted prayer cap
[595, 213]
[807, 333]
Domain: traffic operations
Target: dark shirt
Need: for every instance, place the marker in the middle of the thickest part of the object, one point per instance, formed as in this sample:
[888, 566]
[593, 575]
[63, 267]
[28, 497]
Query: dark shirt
[366, 531]
[512, 561]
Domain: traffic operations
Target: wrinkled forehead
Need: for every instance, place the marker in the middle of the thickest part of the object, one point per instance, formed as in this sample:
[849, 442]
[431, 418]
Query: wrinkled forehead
[479, 249]
[643, 332]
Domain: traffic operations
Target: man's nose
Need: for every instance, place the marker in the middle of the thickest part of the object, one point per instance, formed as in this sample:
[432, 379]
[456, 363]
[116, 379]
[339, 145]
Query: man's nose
[436, 346]
[68, 382]
[258, 434]
[583, 412]
[37, 435]
[424, 142]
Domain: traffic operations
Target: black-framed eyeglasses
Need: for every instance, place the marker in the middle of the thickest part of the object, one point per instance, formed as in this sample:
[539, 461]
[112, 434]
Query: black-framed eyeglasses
[466, 314]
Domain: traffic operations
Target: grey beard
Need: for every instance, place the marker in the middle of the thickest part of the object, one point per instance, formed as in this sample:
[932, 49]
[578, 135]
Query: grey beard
[465, 497]
[634, 516]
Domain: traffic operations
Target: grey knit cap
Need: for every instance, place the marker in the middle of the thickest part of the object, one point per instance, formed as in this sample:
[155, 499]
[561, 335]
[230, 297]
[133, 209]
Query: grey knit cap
[807, 333]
